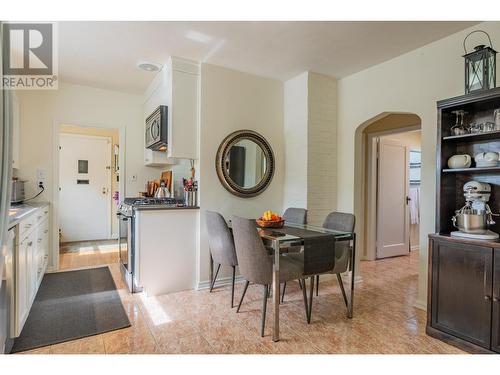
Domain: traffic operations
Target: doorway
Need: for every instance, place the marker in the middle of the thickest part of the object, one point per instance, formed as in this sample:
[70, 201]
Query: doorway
[397, 194]
[88, 196]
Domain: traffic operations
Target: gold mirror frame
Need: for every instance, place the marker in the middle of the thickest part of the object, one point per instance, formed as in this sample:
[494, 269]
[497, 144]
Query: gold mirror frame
[222, 154]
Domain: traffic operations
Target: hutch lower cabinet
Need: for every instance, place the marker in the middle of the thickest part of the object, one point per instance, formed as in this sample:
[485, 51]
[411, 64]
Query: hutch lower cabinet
[464, 288]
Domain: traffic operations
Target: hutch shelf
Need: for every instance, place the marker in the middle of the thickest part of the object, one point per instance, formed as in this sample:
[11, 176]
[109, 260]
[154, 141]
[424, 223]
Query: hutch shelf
[463, 305]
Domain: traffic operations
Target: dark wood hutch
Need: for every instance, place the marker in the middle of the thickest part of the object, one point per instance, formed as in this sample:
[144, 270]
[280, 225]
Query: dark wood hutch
[463, 306]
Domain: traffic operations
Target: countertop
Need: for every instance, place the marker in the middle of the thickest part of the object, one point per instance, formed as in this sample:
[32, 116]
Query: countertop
[470, 241]
[20, 212]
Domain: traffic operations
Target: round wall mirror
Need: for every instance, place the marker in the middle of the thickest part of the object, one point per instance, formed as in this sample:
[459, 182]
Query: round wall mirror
[245, 163]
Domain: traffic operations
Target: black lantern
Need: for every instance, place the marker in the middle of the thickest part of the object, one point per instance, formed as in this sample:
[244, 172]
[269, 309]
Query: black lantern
[480, 66]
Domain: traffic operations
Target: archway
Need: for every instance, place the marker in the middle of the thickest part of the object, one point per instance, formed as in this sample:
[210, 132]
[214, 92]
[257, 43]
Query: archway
[384, 123]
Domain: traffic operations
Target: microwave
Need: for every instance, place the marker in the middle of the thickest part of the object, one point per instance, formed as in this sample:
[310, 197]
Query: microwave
[156, 130]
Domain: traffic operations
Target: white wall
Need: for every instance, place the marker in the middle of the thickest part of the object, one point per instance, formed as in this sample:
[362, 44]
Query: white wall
[78, 105]
[410, 83]
[231, 101]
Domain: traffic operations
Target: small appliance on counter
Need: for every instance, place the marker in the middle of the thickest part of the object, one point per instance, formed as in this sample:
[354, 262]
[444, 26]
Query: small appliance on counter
[17, 191]
[473, 220]
[162, 191]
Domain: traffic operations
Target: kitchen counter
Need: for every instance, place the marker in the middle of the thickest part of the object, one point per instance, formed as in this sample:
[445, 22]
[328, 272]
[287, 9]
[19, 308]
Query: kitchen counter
[20, 212]
[164, 207]
[486, 243]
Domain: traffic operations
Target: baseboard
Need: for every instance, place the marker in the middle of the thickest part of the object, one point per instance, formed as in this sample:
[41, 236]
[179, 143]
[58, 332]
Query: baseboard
[420, 304]
[222, 281]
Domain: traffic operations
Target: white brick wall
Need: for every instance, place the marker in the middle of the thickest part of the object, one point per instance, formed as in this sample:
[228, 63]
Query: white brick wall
[321, 150]
[310, 144]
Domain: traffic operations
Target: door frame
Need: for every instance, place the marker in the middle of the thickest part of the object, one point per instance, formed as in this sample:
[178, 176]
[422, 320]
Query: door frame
[109, 182]
[54, 238]
[371, 189]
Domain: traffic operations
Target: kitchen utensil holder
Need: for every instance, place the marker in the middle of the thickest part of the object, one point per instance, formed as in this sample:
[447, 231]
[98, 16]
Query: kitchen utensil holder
[191, 198]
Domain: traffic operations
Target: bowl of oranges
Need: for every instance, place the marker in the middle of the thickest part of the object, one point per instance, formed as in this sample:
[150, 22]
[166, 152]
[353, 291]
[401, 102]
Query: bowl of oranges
[270, 220]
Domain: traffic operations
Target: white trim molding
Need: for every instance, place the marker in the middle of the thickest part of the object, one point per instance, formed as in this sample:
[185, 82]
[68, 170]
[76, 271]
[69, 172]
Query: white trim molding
[420, 304]
[221, 282]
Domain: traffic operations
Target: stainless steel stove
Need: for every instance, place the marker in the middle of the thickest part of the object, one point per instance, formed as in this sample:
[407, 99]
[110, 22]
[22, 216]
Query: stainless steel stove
[126, 244]
[127, 207]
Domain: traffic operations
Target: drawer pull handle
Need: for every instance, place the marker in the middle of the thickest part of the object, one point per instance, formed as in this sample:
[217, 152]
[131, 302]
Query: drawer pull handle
[39, 240]
[46, 231]
[45, 212]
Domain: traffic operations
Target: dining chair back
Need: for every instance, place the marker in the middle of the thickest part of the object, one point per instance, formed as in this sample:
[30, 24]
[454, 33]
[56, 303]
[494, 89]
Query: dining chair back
[343, 222]
[254, 262]
[295, 215]
[221, 244]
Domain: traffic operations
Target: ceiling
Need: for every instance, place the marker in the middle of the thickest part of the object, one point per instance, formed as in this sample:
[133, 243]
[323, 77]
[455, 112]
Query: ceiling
[105, 54]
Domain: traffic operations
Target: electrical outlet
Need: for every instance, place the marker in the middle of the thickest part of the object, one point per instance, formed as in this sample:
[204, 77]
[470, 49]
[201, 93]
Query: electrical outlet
[40, 178]
[134, 178]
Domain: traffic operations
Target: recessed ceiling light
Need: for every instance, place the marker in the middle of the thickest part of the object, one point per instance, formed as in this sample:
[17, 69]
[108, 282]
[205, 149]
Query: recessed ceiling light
[149, 66]
[198, 37]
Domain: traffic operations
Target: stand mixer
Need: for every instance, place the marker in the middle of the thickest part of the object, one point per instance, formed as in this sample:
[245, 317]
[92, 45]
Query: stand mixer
[473, 220]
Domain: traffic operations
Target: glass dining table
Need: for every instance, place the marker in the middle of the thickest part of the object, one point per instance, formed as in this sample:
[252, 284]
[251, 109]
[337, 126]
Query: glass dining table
[279, 240]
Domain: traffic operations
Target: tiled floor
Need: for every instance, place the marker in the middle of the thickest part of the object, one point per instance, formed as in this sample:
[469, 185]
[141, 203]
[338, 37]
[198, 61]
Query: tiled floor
[385, 320]
[87, 254]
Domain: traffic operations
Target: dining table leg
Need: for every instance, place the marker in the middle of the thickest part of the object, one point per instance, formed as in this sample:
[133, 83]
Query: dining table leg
[276, 291]
[353, 263]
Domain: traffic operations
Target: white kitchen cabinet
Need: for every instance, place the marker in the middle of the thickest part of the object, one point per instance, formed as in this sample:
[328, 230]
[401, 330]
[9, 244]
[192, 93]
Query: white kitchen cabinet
[31, 262]
[22, 285]
[15, 131]
[177, 86]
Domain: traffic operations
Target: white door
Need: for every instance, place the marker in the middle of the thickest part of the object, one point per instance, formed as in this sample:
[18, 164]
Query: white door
[393, 229]
[85, 187]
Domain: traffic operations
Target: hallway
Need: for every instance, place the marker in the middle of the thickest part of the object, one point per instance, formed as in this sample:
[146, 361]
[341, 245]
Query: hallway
[83, 254]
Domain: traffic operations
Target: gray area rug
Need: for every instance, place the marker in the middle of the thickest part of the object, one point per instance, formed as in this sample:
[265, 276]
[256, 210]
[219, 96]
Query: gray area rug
[71, 305]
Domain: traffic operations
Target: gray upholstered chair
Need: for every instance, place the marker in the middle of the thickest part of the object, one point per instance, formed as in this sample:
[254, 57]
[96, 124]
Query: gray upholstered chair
[336, 221]
[295, 215]
[256, 265]
[342, 222]
[221, 244]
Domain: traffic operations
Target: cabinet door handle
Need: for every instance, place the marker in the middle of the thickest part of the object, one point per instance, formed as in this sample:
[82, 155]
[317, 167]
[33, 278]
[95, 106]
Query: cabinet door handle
[46, 231]
[28, 225]
[487, 298]
[30, 243]
[39, 240]
[495, 299]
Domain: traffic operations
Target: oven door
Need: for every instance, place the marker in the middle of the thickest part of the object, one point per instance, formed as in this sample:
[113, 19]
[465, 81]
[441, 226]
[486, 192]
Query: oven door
[125, 248]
